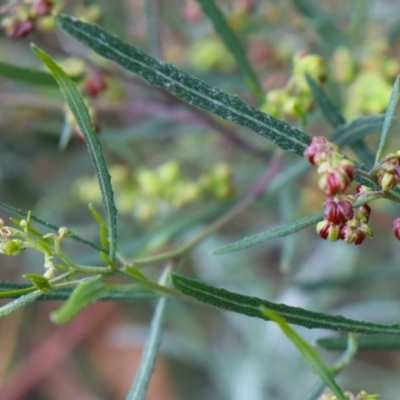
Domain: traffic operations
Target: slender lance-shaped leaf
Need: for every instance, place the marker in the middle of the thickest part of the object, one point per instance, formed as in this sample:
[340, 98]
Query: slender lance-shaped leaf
[357, 129]
[345, 359]
[20, 302]
[309, 354]
[329, 110]
[280, 231]
[87, 292]
[10, 290]
[81, 114]
[55, 228]
[394, 97]
[274, 233]
[365, 343]
[233, 44]
[185, 86]
[27, 75]
[139, 388]
[250, 306]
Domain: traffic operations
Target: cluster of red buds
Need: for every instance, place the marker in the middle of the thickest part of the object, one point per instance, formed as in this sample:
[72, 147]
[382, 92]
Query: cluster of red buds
[336, 173]
[341, 220]
[21, 19]
[387, 172]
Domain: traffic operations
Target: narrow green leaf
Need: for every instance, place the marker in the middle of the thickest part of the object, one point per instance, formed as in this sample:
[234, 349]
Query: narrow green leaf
[135, 273]
[365, 343]
[27, 75]
[329, 110]
[114, 292]
[309, 354]
[357, 129]
[20, 302]
[344, 360]
[138, 390]
[55, 228]
[394, 97]
[185, 86]
[81, 114]
[233, 44]
[274, 233]
[14, 290]
[87, 292]
[279, 231]
[250, 306]
[39, 281]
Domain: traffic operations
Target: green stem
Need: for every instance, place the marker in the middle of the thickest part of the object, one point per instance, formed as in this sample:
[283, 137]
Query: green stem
[164, 290]
[85, 269]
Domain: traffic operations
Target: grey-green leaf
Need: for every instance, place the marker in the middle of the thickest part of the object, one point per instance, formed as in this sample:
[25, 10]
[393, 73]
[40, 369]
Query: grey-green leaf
[87, 292]
[394, 97]
[365, 343]
[81, 114]
[185, 86]
[280, 231]
[233, 44]
[27, 75]
[329, 110]
[274, 233]
[357, 129]
[310, 355]
[251, 306]
[140, 385]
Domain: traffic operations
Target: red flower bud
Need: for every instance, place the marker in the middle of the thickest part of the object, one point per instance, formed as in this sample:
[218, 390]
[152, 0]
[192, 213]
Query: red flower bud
[355, 231]
[328, 230]
[363, 212]
[387, 180]
[41, 8]
[95, 84]
[396, 227]
[319, 150]
[20, 29]
[336, 175]
[338, 211]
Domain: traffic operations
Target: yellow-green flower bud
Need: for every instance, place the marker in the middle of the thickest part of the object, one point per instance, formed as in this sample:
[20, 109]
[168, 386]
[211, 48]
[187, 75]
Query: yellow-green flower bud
[12, 247]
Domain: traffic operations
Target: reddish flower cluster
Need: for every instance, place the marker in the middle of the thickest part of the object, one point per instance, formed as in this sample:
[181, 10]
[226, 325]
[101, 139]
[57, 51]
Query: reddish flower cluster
[22, 19]
[336, 173]
[387, 172]
[342, 222]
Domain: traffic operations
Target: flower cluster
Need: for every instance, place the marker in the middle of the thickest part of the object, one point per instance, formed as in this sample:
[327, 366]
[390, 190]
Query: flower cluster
[295, 100]
[13, 241]
[341, 220]
[22, 19]
[387, 172]
[336, 173]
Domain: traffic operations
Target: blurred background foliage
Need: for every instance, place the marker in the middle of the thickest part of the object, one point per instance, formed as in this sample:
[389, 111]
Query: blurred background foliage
[174, 169]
